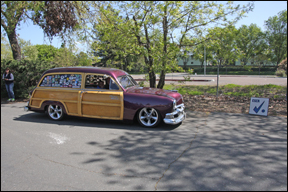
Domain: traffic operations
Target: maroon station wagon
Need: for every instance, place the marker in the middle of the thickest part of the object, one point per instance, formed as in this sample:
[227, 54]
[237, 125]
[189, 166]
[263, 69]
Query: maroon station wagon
[104, 93]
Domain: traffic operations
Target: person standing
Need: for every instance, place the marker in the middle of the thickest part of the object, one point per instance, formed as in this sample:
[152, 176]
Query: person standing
[9, 83]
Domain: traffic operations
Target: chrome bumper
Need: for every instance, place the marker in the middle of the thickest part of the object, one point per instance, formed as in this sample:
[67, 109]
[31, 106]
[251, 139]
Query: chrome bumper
[26, 108]
[176, 116]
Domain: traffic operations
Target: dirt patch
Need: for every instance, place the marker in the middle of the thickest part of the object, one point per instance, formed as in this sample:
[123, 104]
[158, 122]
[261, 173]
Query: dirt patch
[229, 104]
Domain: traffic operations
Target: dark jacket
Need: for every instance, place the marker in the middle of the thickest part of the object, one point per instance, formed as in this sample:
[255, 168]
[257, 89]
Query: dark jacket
[8, 76]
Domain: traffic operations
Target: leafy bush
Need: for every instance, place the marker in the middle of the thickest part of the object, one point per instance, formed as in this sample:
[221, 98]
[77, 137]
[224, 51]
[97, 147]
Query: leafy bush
[141, 83]
[190, 71]
[26, 75]
[178, 69]
[281, 73]
[235, 68]
[247, 68]
[282, 69]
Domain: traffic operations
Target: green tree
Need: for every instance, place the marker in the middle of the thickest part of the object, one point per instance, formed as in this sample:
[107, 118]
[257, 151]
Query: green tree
[6, 52]
[148, 28]
[54, 17]
[46, 52]
[185, 57]
[83, 59]
[64, 57]
[114, 43]
[250, 42]
[198, 52]
[276, 36]
[261, 57]
[28, 51]
[223, 42]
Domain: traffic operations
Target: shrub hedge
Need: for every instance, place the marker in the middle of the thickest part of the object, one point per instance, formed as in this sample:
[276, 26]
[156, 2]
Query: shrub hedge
[26, 74]
[282, 69]
[223, 69]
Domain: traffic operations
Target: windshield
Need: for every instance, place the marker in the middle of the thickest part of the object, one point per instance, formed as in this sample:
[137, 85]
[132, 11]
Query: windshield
[127, 81]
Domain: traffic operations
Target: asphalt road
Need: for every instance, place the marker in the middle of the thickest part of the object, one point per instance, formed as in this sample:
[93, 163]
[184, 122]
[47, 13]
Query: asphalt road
[208, 151]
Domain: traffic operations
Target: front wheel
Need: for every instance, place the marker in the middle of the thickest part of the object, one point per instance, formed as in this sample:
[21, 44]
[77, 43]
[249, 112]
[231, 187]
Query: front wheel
[148, 117]
[55, 112]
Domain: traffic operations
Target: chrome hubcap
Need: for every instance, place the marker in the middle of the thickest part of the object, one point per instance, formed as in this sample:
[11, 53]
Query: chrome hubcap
[148, 116]
[55, 111]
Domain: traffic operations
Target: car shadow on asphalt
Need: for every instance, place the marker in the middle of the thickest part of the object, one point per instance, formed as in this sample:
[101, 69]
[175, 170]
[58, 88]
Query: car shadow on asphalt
[74, 121]
[219, 151]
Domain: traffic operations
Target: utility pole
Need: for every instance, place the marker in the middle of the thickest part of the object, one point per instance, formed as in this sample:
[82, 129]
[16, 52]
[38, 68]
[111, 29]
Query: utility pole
[204, 61]
[217, 79]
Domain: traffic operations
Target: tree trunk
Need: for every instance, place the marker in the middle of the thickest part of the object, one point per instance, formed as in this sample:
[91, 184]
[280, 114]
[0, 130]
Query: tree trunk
[152, 77]
[218, 77]
[149, 60]
[16, 50]
[185, 64]
[161, 82]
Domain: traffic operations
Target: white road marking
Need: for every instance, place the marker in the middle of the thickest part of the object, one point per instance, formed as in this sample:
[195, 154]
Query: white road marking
[59, 139]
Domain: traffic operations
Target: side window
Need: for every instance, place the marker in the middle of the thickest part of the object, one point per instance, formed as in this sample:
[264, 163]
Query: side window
[100, 82]
[94, 82]
[113, 85]
[125, 81]
[62, 80]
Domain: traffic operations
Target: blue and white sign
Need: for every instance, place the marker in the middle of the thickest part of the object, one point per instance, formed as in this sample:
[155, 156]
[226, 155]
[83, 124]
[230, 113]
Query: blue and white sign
[259, 106]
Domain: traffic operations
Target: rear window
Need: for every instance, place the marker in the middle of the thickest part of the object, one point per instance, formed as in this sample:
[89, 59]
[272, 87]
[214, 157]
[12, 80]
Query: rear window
[62, 80]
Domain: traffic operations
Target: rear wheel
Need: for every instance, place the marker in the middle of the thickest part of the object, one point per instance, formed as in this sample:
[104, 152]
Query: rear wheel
[148, 117]
[55, 112]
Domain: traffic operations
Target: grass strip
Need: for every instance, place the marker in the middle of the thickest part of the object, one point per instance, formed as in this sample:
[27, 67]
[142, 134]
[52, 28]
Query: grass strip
[265, 91]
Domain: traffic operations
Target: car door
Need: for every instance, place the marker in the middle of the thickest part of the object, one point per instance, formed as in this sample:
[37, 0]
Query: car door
[101, 103]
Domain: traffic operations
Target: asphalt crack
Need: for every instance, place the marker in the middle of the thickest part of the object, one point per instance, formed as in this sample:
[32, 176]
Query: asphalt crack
[190, 144]
[98, 172]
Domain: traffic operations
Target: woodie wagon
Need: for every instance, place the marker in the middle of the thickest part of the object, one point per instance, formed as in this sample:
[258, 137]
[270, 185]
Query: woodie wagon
[104, 93]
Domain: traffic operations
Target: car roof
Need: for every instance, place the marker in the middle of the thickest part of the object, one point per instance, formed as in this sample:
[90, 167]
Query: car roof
[101, 70]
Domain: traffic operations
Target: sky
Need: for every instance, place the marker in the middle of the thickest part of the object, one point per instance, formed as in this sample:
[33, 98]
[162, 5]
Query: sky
[262, 11]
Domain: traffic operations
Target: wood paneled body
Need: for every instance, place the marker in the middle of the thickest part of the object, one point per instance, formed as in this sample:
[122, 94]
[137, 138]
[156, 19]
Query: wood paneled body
[95, 103]
[102, 104]
[69, 98]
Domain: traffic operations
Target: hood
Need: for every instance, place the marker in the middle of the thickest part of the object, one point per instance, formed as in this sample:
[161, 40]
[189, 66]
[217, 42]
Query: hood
[154, 91]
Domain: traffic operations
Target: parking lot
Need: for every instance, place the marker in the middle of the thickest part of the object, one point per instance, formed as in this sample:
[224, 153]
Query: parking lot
[208, 151]
[223, 79]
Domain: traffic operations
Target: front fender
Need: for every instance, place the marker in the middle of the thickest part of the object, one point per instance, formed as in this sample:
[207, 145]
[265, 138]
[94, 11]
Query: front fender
[134, 102]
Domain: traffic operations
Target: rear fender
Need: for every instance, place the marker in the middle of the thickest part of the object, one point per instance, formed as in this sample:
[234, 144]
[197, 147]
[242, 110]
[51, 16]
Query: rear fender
[45, 104]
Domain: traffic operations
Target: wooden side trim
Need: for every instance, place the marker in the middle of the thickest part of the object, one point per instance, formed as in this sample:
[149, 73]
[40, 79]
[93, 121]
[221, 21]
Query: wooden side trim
[102, 117]
[97, 103]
